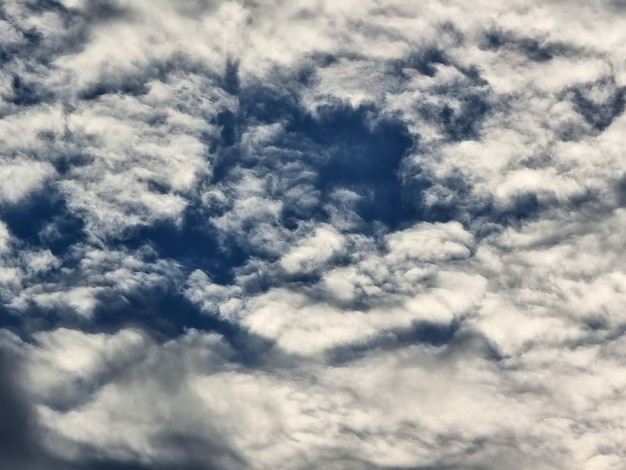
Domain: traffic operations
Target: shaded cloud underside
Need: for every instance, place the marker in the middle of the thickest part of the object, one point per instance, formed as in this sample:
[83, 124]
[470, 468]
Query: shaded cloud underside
[360, 235]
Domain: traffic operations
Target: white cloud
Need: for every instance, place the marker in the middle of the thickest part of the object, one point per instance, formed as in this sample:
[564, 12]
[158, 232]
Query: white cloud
[313, 252]
[488, 334]
[430, 243]
[5, 238]
[23, 177]
[213, 298]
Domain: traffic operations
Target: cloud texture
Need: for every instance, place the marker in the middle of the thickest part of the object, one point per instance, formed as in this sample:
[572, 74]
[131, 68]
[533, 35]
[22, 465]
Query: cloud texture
[365, 235]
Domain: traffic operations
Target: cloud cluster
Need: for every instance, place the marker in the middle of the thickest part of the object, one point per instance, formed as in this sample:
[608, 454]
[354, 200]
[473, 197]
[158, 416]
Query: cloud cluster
[348, 235]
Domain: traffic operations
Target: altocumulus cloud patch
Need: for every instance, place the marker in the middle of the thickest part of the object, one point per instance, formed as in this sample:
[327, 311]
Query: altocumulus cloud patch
[355, 235]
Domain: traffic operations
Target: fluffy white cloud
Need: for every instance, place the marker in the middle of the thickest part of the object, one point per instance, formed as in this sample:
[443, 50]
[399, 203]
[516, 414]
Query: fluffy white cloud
[21, 178]
[313, 252]
[445, 293]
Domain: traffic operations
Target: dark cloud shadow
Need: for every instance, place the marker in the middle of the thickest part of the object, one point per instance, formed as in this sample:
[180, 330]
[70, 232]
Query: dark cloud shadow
[442, 466]
[423, 61]
[21, 439]
[227, 120]
[423, 332]
[43, 220]
[530, 206]
[537, 50]
[195, 453]
[21, 445]
[101, 11]
[454, 339]
[130, 85]
[166, 313]
[182, 451]
[462, 104]
[231, 81]
[620, 189]
[18, 440]
[160, 311]
[193, 243]
[94, 11]
[24, 93]
[340, 147]
[111, 464]
[600, 114]
[364, 156]
[460, 114]
[31, 36]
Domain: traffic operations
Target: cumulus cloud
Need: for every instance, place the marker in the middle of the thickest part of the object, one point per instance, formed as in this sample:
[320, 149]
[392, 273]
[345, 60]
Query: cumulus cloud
[365, 235]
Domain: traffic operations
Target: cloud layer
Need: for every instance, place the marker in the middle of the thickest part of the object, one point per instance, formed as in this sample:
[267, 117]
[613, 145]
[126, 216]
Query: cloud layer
[365, 235]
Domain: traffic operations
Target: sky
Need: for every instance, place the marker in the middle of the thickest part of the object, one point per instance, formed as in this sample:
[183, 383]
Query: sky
[312, 234]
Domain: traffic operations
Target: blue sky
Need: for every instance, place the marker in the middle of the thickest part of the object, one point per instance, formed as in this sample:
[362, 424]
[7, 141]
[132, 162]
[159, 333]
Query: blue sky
[364, 235]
